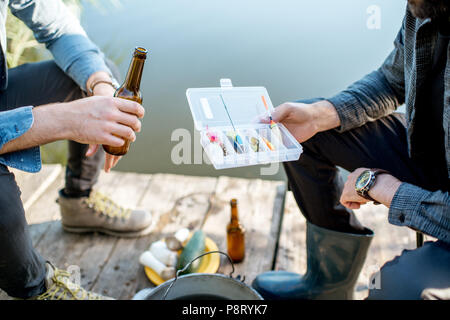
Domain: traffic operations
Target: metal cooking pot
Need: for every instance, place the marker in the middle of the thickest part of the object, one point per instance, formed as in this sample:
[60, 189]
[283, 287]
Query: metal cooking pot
[201, 286]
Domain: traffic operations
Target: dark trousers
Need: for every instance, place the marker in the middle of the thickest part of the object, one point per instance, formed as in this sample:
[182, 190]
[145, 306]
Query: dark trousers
[316, 184]
[22, 269]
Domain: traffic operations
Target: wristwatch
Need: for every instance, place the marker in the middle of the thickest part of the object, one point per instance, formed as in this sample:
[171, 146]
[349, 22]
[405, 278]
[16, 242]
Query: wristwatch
[365, 181]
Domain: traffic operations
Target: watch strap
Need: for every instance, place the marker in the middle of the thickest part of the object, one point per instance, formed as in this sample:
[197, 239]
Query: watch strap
[365, 194]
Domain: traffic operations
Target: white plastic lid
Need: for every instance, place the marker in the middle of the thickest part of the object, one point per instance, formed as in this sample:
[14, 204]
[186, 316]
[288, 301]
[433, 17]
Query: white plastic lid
[244, 104]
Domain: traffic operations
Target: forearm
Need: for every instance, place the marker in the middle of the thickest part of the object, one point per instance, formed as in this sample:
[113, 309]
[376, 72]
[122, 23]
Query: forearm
[326, 115]
[384, 189]
[366, 100]
[50, 123]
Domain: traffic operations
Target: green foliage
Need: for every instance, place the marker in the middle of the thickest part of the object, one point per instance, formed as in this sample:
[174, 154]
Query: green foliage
[23, 48]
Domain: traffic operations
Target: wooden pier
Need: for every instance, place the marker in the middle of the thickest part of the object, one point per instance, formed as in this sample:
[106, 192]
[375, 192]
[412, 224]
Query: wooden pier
[274, 225]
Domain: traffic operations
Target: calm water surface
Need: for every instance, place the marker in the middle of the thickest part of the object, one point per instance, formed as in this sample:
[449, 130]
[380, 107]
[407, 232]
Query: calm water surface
[296, 49]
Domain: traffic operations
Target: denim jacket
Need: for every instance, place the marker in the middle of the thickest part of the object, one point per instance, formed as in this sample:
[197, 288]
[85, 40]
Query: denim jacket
[379, 93]
[55, 26]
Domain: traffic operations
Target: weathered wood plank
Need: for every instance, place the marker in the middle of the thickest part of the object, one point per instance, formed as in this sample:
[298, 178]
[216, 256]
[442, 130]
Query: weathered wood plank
[292, 244]
[388, 242]
[128, 191]
[33, 185]
[87, 251]
[175, 202]
[257, 201]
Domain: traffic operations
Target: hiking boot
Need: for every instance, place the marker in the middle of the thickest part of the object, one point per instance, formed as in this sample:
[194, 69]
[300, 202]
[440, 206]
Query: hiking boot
[98, 213]
[60, 287]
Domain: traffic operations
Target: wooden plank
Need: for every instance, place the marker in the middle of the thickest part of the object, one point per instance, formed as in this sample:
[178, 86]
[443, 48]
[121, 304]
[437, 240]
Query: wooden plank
[257, 201]
[66, 249]
[175, 202]
[388, 242]
[94, 258]
[292, 244]
[33, 185]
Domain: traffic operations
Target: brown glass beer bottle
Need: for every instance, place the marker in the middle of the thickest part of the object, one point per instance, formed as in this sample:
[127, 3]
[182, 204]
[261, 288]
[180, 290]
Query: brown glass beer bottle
[130, 90]
[235, 235]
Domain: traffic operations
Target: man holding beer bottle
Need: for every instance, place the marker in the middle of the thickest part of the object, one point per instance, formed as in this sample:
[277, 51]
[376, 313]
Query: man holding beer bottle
[44, 102]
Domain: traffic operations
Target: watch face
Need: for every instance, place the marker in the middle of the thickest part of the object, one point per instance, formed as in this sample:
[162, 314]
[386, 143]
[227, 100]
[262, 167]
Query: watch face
[363, 180]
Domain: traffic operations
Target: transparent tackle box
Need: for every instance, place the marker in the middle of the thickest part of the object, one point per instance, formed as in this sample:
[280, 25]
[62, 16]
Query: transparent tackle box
[232, 136]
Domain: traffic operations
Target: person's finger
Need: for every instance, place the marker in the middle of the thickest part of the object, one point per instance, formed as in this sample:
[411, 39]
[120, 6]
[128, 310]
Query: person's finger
[112, 140]
[122, 131]
[92, 150]
[108, 162]
[280, 112]
[116, 159]
[128, 120]
[130, 107]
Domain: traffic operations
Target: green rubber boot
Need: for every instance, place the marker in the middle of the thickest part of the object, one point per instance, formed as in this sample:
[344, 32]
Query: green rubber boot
[334, 261]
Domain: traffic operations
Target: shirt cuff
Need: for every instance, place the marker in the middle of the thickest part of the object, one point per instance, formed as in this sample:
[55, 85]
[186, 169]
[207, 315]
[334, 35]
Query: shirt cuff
[407, 209]
[13, 124]
[405, 205]
[348, 109]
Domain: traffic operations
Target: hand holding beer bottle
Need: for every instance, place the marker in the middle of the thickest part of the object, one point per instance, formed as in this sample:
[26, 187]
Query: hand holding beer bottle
[130, 90]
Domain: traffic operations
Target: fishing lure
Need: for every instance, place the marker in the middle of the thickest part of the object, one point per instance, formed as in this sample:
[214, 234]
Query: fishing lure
[273, 125]
[269, 144]
[236, 138]
[215, 140]
[254, 144]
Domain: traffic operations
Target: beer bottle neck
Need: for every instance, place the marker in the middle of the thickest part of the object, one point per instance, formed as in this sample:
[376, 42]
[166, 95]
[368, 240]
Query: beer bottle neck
[234, 214]
[134, 75]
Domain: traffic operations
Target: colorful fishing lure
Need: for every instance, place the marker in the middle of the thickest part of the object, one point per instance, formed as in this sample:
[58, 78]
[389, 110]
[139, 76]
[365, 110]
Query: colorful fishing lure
[273, 125]
[215, 140]
[269, 144]
[236, 141]
[254, 144]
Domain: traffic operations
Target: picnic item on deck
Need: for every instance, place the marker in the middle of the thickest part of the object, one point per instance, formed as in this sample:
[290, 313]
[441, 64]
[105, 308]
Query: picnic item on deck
[202, 286]
[208, 264]
[176, 241]
[235, 235]
[163, 271]
[194, 248]
[227, 119]
[162, 253]
[130, 90]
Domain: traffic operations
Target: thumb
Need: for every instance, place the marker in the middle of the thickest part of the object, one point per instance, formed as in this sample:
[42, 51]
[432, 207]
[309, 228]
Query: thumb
[278, 114]
[92, 150]
[281, 112]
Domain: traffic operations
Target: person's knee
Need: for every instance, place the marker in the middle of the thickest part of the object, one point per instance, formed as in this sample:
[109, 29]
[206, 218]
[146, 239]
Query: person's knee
[409, 274]
[12, 216]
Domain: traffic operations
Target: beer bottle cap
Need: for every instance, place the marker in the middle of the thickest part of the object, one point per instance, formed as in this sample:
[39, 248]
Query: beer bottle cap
[140, 52]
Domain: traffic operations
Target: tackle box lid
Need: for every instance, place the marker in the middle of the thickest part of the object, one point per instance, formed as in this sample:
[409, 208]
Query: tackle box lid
[214, 107]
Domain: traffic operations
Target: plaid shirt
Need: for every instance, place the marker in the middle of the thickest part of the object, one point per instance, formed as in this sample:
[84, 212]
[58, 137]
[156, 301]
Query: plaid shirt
[379, 93]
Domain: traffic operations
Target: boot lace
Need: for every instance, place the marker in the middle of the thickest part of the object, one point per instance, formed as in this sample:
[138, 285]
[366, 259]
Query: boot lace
[64, 289]
[104, 205]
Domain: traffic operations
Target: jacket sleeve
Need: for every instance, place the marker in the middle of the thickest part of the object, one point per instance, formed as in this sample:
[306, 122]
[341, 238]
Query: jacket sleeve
[54, 25]
[13, 124]
[422, 210]
[377, 94]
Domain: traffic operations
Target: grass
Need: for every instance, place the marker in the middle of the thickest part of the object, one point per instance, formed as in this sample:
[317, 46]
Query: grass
[23, 48]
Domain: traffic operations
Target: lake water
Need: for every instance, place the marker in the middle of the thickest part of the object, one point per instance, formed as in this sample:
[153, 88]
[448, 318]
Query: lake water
[296, 49]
